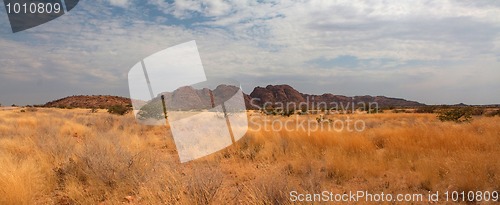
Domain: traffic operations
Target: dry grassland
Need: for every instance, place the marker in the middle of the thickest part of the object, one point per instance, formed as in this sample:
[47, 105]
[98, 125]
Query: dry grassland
[56, 156]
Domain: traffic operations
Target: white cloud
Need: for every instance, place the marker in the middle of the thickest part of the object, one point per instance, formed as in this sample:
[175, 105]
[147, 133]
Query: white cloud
[272, 41]
[120, 3]
[217, 7]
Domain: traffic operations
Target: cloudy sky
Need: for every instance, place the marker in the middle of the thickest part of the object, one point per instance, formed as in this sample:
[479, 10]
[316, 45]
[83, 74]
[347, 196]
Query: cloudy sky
[435, 52]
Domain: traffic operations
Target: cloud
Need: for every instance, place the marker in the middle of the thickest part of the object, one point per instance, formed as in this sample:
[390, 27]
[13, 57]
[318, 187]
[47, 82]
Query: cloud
[190, 8]
[120, 3]
[396, 48]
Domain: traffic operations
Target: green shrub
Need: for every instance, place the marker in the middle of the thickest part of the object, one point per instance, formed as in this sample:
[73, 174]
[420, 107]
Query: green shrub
[118, 110]
[493, 113]
[303, 110]
[458, 115]
[375, 111]
[477, 111]
[425, 109]
[288, 113]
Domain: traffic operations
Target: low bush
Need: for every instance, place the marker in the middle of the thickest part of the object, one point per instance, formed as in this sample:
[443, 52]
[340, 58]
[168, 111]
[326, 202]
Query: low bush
[426, 109]
[493, 113]
[118, 110]
[458, 115]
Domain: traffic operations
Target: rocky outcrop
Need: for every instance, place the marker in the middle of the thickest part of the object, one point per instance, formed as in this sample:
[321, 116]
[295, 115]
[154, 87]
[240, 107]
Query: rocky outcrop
[273, 94]
[86, 101]
[188, 97]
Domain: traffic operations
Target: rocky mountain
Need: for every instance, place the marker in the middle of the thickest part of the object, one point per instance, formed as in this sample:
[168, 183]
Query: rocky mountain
[86, 101]
[273, 94]
[188, 97]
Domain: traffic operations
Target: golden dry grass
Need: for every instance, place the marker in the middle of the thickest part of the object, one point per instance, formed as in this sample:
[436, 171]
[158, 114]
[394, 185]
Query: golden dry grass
[76, 157]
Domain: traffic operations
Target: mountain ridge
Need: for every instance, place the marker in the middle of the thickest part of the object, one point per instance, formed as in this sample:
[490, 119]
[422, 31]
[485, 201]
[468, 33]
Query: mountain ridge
[89, 101]
[286, 94]
[257, 99]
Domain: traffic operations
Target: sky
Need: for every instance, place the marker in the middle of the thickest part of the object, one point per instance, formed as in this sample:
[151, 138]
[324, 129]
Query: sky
[434, 52]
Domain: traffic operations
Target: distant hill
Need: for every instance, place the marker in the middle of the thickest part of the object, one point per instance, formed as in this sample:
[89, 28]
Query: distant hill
[286, 94]
[186, 97]
[85, 101]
